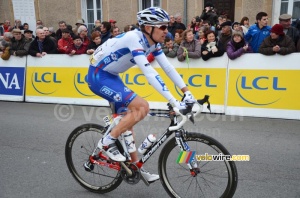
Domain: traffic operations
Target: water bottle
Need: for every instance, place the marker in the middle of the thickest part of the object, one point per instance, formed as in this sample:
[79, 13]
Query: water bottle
[147, 143]
[129, 141]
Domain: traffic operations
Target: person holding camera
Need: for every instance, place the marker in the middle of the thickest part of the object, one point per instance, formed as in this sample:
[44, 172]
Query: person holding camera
[209, 14]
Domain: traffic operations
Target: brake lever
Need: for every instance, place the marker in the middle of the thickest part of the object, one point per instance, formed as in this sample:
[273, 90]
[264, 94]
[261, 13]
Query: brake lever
[205, 100]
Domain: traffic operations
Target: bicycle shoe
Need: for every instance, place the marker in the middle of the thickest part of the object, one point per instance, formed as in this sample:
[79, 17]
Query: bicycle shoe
[112, 151]
[148, 176]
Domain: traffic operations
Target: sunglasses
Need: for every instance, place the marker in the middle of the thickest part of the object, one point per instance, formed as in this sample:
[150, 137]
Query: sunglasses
[161, 27]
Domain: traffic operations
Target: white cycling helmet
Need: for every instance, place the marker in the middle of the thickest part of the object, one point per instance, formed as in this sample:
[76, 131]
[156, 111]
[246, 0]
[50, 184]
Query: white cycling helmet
[153, 16]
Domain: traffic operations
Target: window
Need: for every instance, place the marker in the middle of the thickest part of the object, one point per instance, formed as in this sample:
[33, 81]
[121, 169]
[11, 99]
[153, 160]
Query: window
[143, 4]
[296, 9]
[91, 11]
[284, 7]
[291, 7]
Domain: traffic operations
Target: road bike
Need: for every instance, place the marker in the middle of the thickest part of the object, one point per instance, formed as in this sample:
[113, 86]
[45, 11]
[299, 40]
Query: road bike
[185, 166]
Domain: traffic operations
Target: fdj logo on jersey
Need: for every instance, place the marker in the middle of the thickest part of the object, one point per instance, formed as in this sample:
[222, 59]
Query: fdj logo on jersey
[80, 84]
[259, 90]
[45, 83]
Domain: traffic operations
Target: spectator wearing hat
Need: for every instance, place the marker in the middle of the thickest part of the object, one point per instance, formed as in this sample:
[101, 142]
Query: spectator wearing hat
[211, 47]
[258, 31]
[28, 35]
[209, 14]
[19, 45]
[96, 41]
[78, 24]
[42, 45]
[237, 26]
[78, 47]
[105, 31]
[237, 46]
[65, 42]
[285, 21]
[225, 36]
[277, 42]
[112, 23]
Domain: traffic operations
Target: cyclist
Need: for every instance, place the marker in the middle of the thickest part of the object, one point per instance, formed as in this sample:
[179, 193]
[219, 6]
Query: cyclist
[120, 53]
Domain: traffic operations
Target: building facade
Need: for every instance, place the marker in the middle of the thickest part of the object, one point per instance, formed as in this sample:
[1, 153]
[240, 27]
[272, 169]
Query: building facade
[124, 11]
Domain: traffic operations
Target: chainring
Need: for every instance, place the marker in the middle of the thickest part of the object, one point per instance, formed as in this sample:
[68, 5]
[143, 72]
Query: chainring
[134, 178]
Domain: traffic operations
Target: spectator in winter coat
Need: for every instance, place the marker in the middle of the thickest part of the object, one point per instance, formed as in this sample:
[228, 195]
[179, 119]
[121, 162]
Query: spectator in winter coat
[237, 46]
[105, 31]
[226, 32]
[211, 47]
[292, 32]
[78, 47]
[42, 45]
[209, 14]
[189, 46]
[258, 32]
[19, 45]
[298, 46]
[277, 42]
[65, 42]
[170, 48]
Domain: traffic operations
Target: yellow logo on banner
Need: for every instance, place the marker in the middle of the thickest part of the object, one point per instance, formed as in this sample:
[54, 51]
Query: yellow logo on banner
[201, 81]
[264, 88]
[58, 82]
[41, 78]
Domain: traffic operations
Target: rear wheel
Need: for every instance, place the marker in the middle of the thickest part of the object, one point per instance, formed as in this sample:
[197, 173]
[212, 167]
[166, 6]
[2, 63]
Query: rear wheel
[79, 148]
[209, 179]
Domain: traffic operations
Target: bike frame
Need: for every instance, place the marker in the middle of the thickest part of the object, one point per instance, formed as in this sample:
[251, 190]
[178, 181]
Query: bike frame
[175, 127]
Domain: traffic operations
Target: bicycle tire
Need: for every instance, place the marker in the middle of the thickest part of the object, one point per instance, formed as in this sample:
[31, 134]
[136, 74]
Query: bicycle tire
[214, 179]
[85, 138]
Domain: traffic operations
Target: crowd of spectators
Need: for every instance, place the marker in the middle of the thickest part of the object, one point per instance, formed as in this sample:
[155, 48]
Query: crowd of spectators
[208, 35]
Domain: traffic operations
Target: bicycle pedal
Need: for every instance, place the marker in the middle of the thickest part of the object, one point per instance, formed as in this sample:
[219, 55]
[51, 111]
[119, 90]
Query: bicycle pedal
[88, 166]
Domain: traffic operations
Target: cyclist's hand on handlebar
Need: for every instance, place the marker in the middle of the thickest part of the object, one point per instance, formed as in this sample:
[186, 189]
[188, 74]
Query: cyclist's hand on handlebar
[188, 97]
[176, 103]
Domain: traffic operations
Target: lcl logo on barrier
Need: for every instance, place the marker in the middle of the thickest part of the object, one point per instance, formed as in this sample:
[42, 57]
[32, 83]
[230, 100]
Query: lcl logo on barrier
[255, 84]
[38, 81]
[81, 84]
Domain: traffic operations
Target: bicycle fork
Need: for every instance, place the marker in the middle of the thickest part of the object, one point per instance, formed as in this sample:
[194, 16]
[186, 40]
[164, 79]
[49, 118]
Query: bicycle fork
[192, 164]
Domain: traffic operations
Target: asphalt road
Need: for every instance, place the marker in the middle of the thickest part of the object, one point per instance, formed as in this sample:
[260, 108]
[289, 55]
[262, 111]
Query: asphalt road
[33, 136]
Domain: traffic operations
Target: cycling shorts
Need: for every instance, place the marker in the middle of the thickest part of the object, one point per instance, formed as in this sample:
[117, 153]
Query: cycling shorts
[111, 88]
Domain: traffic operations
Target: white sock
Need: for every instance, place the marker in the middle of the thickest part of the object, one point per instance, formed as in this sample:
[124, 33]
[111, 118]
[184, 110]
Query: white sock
[109, 140]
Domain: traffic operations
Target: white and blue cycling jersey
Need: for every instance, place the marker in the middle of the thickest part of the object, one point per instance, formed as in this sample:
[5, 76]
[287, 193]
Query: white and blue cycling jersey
[119, 54]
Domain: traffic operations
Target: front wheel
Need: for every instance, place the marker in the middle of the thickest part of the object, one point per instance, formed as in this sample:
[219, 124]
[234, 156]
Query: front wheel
[100, 175]
[206, 178]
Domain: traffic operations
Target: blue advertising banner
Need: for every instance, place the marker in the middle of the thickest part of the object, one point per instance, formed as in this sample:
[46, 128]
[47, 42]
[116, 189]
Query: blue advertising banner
[11, 81]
